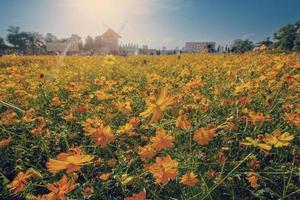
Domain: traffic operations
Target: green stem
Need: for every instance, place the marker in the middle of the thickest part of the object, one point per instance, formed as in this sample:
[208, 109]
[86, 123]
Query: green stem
[219, 183]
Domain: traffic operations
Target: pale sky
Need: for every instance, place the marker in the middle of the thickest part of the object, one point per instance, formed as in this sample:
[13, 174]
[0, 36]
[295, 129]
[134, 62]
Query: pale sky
[155, 23]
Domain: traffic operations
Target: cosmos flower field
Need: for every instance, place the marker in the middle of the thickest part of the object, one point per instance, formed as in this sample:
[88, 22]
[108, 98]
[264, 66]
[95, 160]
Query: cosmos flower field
[144, 127]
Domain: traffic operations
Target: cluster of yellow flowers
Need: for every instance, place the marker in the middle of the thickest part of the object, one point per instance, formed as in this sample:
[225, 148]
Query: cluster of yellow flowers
[145, 127]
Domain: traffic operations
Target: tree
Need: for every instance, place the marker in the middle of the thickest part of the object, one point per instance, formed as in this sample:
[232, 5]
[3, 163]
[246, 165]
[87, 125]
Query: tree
[89, 43]
[36, 43]
[286, 36]
[3, 46]
[297, 39]
[241, 46]
[297, 43]
[77, 40]
[50, 38]
[97, 42]
[19, 40]
[266, 42]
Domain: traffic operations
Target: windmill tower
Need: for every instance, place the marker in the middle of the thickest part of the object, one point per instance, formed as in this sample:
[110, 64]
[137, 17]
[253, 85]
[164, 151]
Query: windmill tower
[109, 42]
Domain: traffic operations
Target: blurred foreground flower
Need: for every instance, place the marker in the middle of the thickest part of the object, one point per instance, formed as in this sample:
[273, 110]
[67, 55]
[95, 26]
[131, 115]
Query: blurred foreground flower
[256, 143]
[19, 182]
[156, 107]
[59, 190]
[164, 169]
[4, 143]
[204, 135]
[189, 179]
[138, 196]
[71, 161]
[162, 140]
[252, 177]
[277, 139]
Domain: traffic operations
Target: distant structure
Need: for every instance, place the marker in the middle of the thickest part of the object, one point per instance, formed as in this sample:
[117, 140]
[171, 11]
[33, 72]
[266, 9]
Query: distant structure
[129, 49]
[134, 49]
[109, 42]
[199, 47]
[62, 48]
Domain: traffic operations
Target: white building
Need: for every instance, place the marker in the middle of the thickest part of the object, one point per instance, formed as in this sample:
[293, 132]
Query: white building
[129, 49]
[134, 49]
[199, 47]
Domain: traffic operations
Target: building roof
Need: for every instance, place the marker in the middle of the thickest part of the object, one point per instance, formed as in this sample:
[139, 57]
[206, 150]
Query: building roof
[110, 33]
[62, 46]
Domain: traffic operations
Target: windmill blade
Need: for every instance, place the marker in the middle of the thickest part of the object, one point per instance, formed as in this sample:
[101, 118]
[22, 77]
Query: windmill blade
[105, 25]
[123, 27]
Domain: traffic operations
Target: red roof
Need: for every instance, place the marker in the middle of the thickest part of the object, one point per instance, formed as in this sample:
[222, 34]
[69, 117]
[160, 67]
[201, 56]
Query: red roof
[110, 33]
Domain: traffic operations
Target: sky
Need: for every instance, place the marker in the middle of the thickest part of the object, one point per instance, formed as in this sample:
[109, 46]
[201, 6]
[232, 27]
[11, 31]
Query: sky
[155, 23]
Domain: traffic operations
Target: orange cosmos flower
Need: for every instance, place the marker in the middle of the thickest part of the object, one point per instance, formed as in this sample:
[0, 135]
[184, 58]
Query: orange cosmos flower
[189, 179]
[60, 189]
[204, 135]
[71, 161]
[55, 101]
[164, 169]
[182, 121]
[91, 125]
[4, 143]
[146, 152]
[87, 192]
[19, 182]
[134, 121]
[292, 118]
[252, 177]
[138, 196]
[162, 140]
[29, 115]
[127, 129]
[112, 162]
[157, 107]
[104, 177]
[103, 136]
[258, 117]
[9, 118]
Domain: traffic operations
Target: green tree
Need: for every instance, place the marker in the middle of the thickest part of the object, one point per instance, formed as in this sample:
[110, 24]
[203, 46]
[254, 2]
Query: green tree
[286, 36]
[297, 43]
[89, 43]
[97, 42]
[266, 42]
[241, 46]
[36, 43]
[3, 46]
[19, 40]
[297, 39]
[50, 38]
[77, 40]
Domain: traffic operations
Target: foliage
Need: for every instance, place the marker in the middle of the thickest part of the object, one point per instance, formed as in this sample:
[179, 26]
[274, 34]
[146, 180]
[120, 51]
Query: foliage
[144, 127]
[287, 38]
[25, 43]
[241, 46]
[3, 46]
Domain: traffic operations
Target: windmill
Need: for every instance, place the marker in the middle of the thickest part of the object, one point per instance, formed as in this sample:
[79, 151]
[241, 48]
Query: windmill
[109, 39]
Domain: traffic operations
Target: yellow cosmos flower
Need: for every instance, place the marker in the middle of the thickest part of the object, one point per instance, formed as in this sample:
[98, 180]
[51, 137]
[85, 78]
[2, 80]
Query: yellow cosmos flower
[277, 139]
[256, 143]
[157, 107]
